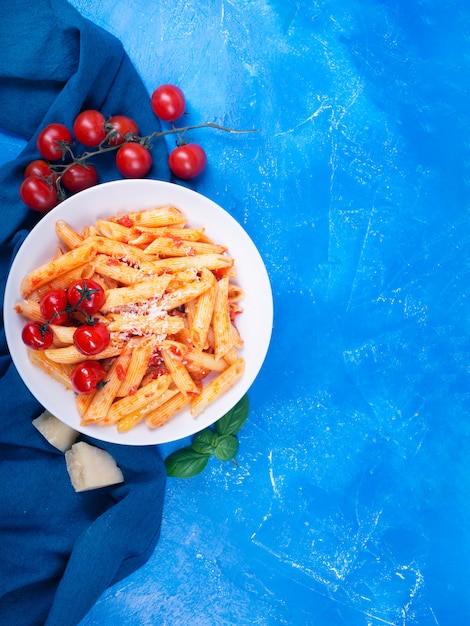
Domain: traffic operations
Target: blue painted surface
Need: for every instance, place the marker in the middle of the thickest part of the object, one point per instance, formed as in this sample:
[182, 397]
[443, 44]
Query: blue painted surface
[350, 503]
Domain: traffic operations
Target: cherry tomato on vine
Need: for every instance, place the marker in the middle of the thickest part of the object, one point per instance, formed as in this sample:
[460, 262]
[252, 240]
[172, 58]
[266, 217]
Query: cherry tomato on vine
[41, 168]
[133, 160]
[121, 126]
[187, 161]
[87, 295]
[87, 376]
[91, 339]
[168, 102]
[38, 194]
[79, 177]
[51, 139]
[53, 306]
[37, 336]
[89, 127]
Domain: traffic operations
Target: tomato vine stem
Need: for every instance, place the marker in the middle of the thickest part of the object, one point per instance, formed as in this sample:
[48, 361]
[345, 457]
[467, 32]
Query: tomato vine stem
[105, 146]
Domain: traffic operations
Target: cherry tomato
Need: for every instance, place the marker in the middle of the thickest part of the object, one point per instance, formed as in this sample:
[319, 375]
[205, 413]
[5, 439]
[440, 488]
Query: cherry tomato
[53, 306]
[187, 161]
[40, 168]
[37, 336]
[79, 177]
[133, 160]
[50, 140]
[168, 102]
[121, 126]
[91, 339]
[87, 295]
[87, 376]
[38, 194]
[89, 127]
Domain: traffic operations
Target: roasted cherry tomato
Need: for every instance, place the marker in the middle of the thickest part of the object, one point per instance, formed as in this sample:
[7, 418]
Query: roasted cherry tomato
[87, 376]
[121, 126]
[187, 161]
[133, 160]
[89, 127]
[86, 295]
[79, 177]
[51, 139]
[53, 306]
[38, 194]
[37, 336]
[168, 102]
[91, 339]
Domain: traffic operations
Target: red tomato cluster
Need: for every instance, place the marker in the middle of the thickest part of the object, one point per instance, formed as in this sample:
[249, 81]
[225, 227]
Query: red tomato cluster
[77, 304]
[46, 179]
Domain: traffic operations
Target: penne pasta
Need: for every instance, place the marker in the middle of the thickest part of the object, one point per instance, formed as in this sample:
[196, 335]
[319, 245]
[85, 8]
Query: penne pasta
[138, 292]
[167, 410]
[221, 320]
[67, 235]
[138, 365]
[58, 266]
[166, 297]
[156, 217]
[217, 387]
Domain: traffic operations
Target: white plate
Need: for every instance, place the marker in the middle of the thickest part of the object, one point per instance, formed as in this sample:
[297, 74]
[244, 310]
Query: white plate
[108, 199]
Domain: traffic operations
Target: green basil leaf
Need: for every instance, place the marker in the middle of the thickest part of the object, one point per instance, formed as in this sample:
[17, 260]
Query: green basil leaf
[226, 448]
[232, 422]
[205, 441]
[185, 463]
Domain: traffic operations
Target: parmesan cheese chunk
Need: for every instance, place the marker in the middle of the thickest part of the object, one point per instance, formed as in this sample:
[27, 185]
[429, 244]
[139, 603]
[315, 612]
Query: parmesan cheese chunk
[58, 434]
[91, 468]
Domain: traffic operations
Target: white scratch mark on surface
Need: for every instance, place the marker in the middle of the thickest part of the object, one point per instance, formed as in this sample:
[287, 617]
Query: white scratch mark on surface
[271, 475]
[323, 107]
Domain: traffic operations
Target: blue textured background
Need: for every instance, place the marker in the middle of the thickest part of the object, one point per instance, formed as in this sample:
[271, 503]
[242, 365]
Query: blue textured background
[350, 504]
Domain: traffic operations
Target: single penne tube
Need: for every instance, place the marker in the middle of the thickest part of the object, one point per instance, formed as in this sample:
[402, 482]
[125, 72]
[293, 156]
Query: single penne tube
[137, 401]
[221, 323]
[138, 365]
[49, 271]
[109, 267]
[114, 230]
[104, 397]
[167, 410]
[131, 419]
[181, 295]
[202, 314]
[52, 369]
[198, 261]
[30, 310]
[217, 387]
[186, 233]
[70, 354]
[67, 235]
[173, 246]
[119, 250]
[156, 217]
[137, 292]
[140, 239]
[235, 293]
[145, 324]
[177, 369]
[63, 281]
[63, 334]
[105, 281]
[82, 402]
[203, 361]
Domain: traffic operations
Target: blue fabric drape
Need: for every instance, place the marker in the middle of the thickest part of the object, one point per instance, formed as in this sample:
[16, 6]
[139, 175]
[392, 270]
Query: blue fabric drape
[60, 550]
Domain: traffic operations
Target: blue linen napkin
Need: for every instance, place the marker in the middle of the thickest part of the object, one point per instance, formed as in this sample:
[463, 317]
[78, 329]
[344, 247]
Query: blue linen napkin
[60, 550]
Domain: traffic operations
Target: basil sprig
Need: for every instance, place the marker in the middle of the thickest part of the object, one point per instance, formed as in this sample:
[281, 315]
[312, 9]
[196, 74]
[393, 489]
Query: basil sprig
[219, 441]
